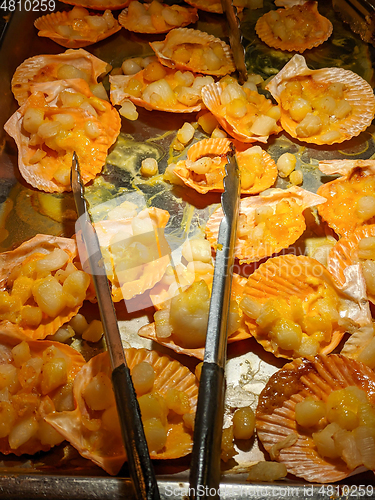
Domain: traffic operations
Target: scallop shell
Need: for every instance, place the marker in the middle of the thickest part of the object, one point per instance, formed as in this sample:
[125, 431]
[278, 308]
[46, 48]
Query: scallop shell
[291, 276]
[275, 416]
[119, 94]
[211, 96]
[207, 5]
[321, 28]
[345, 254]
[218, 148]
[92, 153]
[180, 36]
[99, 4]
[339, 211]
[357, 92]
[47, 28]
[149, 331]
[189, 14]
[153, 271]
[40, 244]
[76, 361]
[43, 68]
[169, 374]
[252, 250]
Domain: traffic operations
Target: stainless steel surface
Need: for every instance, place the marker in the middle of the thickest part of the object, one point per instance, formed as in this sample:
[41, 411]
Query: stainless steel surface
[140, 466]
[235, 39]
[360, 15]
[61, 473]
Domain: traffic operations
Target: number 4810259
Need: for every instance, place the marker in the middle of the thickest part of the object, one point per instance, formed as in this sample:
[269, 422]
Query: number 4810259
[28, 5]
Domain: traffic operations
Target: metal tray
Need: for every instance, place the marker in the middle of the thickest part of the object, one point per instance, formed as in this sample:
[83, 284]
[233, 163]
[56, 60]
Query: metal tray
[62, 473]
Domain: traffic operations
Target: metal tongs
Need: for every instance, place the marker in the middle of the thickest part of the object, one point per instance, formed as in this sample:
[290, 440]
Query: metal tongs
[140, 466]
[205, 465]
[235, 39]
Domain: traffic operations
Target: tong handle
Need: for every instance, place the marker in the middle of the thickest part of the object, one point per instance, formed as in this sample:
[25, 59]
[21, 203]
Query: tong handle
[208, 431]
[141, 469]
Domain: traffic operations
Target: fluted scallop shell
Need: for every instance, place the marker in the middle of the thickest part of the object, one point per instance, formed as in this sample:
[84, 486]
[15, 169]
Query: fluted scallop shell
[75, 361]
[218, 148]
[189, 14]
[44, 68]
[119, 94]
[92, 153]
[169, 374]
[275, 416]
[212, 5]
[181, 36]
[321, 28]
[345, 253]
[342, 194]
[286, 277]
[149, 331]
[251, 250]
[357, 92]
[99, 4]
[47, 28]
[152, 272]
[40, 244]
[211, 96]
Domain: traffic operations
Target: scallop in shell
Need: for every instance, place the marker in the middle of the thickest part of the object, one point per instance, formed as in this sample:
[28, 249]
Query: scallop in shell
[175, 92]
[323, 106]
[204, 169]
[21, 319]
[294, 29]
[72, 32]
[267, 223]
[244, 113]
[83, 426]
[33, 396]
[65, 117]
[196, 51]
[350, 198]
[175, 340]
[134, 261]
[346, 252]
[161, 18]
[295, 307]
[316, 378]
[46, 67]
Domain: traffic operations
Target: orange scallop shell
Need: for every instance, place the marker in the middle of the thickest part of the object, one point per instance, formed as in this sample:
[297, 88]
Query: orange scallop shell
[342, 195]
[40, 244]
[149, 331]
[357, 92]
[218, 148]
[189, 14]
[345, 253]
[43, 68]
[321, 28]
[236, 127]
[152, 272]
[76, 362]
[47, 28]
[168, 374]
[92, 153]
[284, 233]
[212, 5]
[119, 94]
[291, 276]
[275, 416]
[99, 4]
[180, 36]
